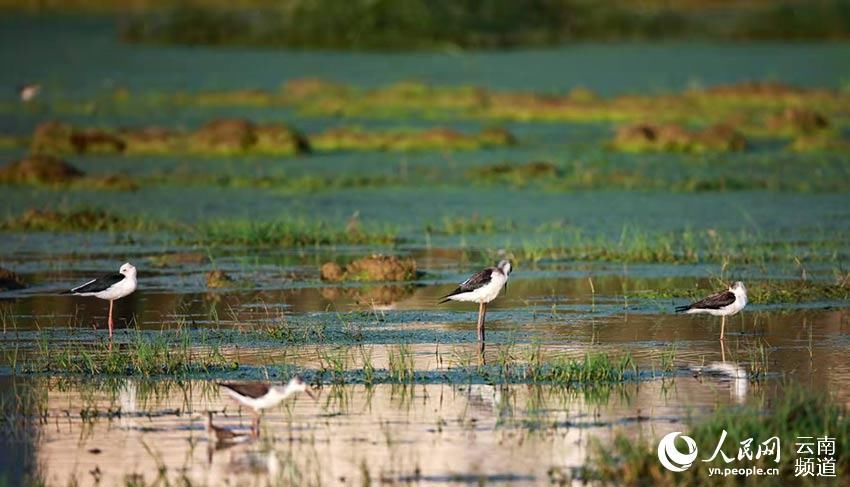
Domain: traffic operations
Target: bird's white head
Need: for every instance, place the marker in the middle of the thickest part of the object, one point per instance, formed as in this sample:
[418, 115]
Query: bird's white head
[128, 270]
[295, 385]
[505, 267]
[738, 288]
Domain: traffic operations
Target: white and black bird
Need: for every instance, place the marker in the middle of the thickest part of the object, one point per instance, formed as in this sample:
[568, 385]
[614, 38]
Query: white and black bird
[28, 92]
[725, 303]
[482, 288]
[259, 395]
[109, 287]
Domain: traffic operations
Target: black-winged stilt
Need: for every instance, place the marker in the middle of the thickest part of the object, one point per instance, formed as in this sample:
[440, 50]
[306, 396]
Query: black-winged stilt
[725, 303]
[109, 287]
[259, 395]
[28, 92]
[482, 288]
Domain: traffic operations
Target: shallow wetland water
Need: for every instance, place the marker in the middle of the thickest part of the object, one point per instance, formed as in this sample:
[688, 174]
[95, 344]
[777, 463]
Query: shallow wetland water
[582, 346]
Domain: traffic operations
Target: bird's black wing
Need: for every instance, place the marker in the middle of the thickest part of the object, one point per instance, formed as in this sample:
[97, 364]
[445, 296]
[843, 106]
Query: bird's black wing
[247, 389]
[98, 285]
[478, 280]
[715, 301]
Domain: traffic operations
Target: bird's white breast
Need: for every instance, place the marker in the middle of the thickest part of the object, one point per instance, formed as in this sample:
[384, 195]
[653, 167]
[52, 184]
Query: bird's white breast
[120, 289]
[486, 293]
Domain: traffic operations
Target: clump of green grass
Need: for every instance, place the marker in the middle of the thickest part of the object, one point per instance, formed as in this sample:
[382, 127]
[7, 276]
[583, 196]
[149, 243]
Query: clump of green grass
[75, 220]
[686, 246]
[286, 232]
[592, 368]
[515, 174]
[401, 366]
[797, 413]
[474, 225]
[165, 353]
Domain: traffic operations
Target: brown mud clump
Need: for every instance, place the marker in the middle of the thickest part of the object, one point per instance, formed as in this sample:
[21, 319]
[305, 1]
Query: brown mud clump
[150, 140]
[331, 271]
[225, 135]
[10, 281]
[62, 138]
[797, 121]
[373, 268]
[278, 138]
[52, 138]
[96, 141]
[674, 138]
[39, 169]
[218, 279]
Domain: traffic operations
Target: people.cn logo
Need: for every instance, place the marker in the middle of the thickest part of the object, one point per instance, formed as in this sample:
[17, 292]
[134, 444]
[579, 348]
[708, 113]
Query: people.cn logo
[671, 457]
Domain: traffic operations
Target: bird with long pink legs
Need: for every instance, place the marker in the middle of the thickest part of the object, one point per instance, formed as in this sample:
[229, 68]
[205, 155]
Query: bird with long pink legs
[110, 287]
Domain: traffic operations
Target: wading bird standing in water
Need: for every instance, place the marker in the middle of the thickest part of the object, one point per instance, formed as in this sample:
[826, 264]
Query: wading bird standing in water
[725, 303]
[482, 288]
[109, 287]
[28, 92]
[259, 396]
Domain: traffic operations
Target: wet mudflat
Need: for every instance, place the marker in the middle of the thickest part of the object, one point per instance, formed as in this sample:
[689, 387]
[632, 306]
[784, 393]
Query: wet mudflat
[582, 347]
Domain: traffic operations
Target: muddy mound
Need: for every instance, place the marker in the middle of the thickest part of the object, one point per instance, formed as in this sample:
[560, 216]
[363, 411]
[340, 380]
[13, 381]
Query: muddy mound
[331, 271]
[373, 268]
[150, 140]
[42, 169]
[62, 138]
[280, 138]
[218, 279]
[9, 280]
[225, 135]
[798, 121]
[52, 138]
[648, 137]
